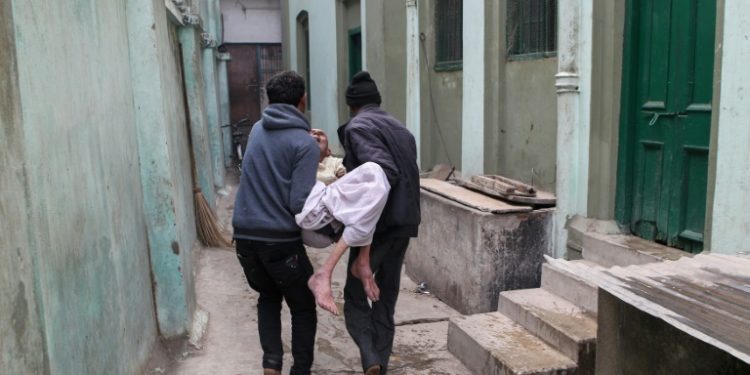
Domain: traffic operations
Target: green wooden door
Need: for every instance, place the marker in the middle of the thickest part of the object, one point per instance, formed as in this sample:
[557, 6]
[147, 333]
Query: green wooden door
[666, 118]
[355, 51]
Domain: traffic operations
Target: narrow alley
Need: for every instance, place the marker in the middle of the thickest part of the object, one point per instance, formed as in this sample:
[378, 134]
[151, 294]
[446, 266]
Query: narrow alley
[230, 344]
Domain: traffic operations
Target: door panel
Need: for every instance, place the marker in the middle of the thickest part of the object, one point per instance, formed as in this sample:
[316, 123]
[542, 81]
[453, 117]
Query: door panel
[671, 86]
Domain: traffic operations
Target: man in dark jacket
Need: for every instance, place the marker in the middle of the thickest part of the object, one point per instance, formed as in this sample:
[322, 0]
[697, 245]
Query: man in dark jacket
[278, 172]
[373, 135]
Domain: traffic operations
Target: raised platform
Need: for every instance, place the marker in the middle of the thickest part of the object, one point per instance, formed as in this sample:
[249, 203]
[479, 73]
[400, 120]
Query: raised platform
[472, 247]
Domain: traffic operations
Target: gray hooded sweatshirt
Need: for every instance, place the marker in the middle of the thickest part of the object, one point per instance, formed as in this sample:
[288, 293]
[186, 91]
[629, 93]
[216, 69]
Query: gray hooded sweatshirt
[278, 172]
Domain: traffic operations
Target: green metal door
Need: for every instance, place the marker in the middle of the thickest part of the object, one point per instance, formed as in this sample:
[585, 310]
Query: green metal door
[666, 118]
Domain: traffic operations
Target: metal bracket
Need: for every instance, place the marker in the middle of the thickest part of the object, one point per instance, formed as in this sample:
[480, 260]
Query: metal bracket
[208, 41]
[191, 20]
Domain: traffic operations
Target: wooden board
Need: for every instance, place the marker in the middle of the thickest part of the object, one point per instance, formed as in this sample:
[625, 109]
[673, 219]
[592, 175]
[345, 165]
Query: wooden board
[541, 198]
[470, 198]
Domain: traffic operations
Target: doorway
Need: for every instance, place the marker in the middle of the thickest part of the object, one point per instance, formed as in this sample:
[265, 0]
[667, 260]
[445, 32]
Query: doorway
[666, 119]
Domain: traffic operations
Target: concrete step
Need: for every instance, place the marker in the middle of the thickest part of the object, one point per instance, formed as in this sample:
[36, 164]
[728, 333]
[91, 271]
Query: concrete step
[571, 286]
[493, 344]
[561, 324]
[623, 250]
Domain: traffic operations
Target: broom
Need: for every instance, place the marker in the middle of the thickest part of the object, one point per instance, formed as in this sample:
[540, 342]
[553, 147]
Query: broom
[209, 230]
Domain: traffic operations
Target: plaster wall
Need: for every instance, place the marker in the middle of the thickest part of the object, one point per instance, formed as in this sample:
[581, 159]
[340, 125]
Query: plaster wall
[606, 87]
[83, 204]
[529, 122]
[254, 21]
[729, 177]
[441, 100]
[22, 349]
[324, 84]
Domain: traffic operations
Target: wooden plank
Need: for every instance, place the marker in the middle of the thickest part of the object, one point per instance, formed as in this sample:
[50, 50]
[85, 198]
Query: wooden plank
[493, 184]
[520, 186]
[541, 198]
[469, 198]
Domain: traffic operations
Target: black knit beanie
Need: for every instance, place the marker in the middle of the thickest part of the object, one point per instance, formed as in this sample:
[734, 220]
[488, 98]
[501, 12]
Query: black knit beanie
[362, 90]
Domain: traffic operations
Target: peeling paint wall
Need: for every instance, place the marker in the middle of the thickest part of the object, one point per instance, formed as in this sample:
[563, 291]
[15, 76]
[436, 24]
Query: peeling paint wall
[84, 207]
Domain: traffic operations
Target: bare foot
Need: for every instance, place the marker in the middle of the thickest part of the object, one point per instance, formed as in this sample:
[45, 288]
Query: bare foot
[320, 285]
[363, 272]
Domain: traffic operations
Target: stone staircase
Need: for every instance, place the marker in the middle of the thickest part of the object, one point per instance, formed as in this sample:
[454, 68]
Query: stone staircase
[552, 329]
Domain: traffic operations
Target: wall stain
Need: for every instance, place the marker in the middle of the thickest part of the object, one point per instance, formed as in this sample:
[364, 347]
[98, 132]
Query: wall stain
[175, 248]
[20, 316]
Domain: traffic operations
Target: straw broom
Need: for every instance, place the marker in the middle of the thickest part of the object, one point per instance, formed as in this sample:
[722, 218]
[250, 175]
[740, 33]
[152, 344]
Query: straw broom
[209, 230]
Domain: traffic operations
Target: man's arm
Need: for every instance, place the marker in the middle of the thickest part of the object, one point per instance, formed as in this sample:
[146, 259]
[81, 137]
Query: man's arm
[366, 146]
[303, 175]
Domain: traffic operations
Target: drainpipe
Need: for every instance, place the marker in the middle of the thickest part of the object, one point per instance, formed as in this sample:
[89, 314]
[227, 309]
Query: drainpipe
[226, 132]
[209, 45]
[413, 106]
[573, 83]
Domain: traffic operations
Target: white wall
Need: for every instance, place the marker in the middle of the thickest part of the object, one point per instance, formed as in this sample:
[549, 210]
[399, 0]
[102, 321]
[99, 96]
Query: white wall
[323, 57]
[251, 21]
[730, 224]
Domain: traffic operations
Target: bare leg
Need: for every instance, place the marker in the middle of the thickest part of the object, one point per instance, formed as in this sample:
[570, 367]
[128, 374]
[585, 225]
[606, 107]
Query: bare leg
[361, 270]
[320, 281]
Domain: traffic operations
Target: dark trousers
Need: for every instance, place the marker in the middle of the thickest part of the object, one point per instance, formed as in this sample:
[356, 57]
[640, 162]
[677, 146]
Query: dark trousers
[373, 328]
[280, 270]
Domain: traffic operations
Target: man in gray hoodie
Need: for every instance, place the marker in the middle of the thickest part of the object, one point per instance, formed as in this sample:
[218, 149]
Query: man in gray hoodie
[278, 173]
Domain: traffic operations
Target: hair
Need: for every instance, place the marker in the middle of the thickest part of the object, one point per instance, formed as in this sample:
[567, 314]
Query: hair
[287, 87]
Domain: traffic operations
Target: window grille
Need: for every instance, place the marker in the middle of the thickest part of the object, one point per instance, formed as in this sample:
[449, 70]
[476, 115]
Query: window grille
[531, 28]
[448, 34]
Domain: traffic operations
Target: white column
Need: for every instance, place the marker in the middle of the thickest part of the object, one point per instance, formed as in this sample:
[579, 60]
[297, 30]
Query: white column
[730, 224]
[413, 106]
[363, 31]
[472, 117]
[573, 83]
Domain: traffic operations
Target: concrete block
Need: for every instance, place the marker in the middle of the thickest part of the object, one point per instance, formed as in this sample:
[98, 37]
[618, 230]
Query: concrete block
[467, 257]
[623, 250]
[493, 344]
[634, 342]
[568, 285]
[562, 325]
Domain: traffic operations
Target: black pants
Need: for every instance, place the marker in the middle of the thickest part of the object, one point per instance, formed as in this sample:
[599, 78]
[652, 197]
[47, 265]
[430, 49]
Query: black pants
[373, 328]
[280, 270]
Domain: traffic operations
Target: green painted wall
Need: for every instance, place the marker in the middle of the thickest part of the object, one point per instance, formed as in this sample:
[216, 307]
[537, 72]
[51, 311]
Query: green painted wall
[164, 161]
[83, 205]
[22, 345]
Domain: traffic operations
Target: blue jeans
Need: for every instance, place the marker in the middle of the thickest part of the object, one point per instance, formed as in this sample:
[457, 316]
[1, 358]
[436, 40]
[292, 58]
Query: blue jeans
[280, 270]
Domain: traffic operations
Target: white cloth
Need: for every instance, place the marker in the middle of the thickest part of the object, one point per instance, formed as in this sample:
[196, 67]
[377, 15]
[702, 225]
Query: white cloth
[355, 200]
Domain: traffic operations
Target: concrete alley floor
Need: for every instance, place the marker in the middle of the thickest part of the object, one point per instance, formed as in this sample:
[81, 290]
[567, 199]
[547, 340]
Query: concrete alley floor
[231, 345]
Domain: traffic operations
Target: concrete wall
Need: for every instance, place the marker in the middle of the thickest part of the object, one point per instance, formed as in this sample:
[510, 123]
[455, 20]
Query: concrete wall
[324, 82]
[607, 48]
[384, 33]
[441, 100]
[529, 127]
[82, 201]
[253, 21]
[728, 222]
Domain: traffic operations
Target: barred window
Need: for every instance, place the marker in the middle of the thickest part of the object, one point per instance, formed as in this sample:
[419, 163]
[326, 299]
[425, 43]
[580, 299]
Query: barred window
[532, 28]
[448, 34]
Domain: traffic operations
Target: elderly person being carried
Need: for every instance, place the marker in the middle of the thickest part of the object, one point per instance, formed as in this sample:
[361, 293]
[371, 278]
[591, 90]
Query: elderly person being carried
[330, 168]
[355, 203]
